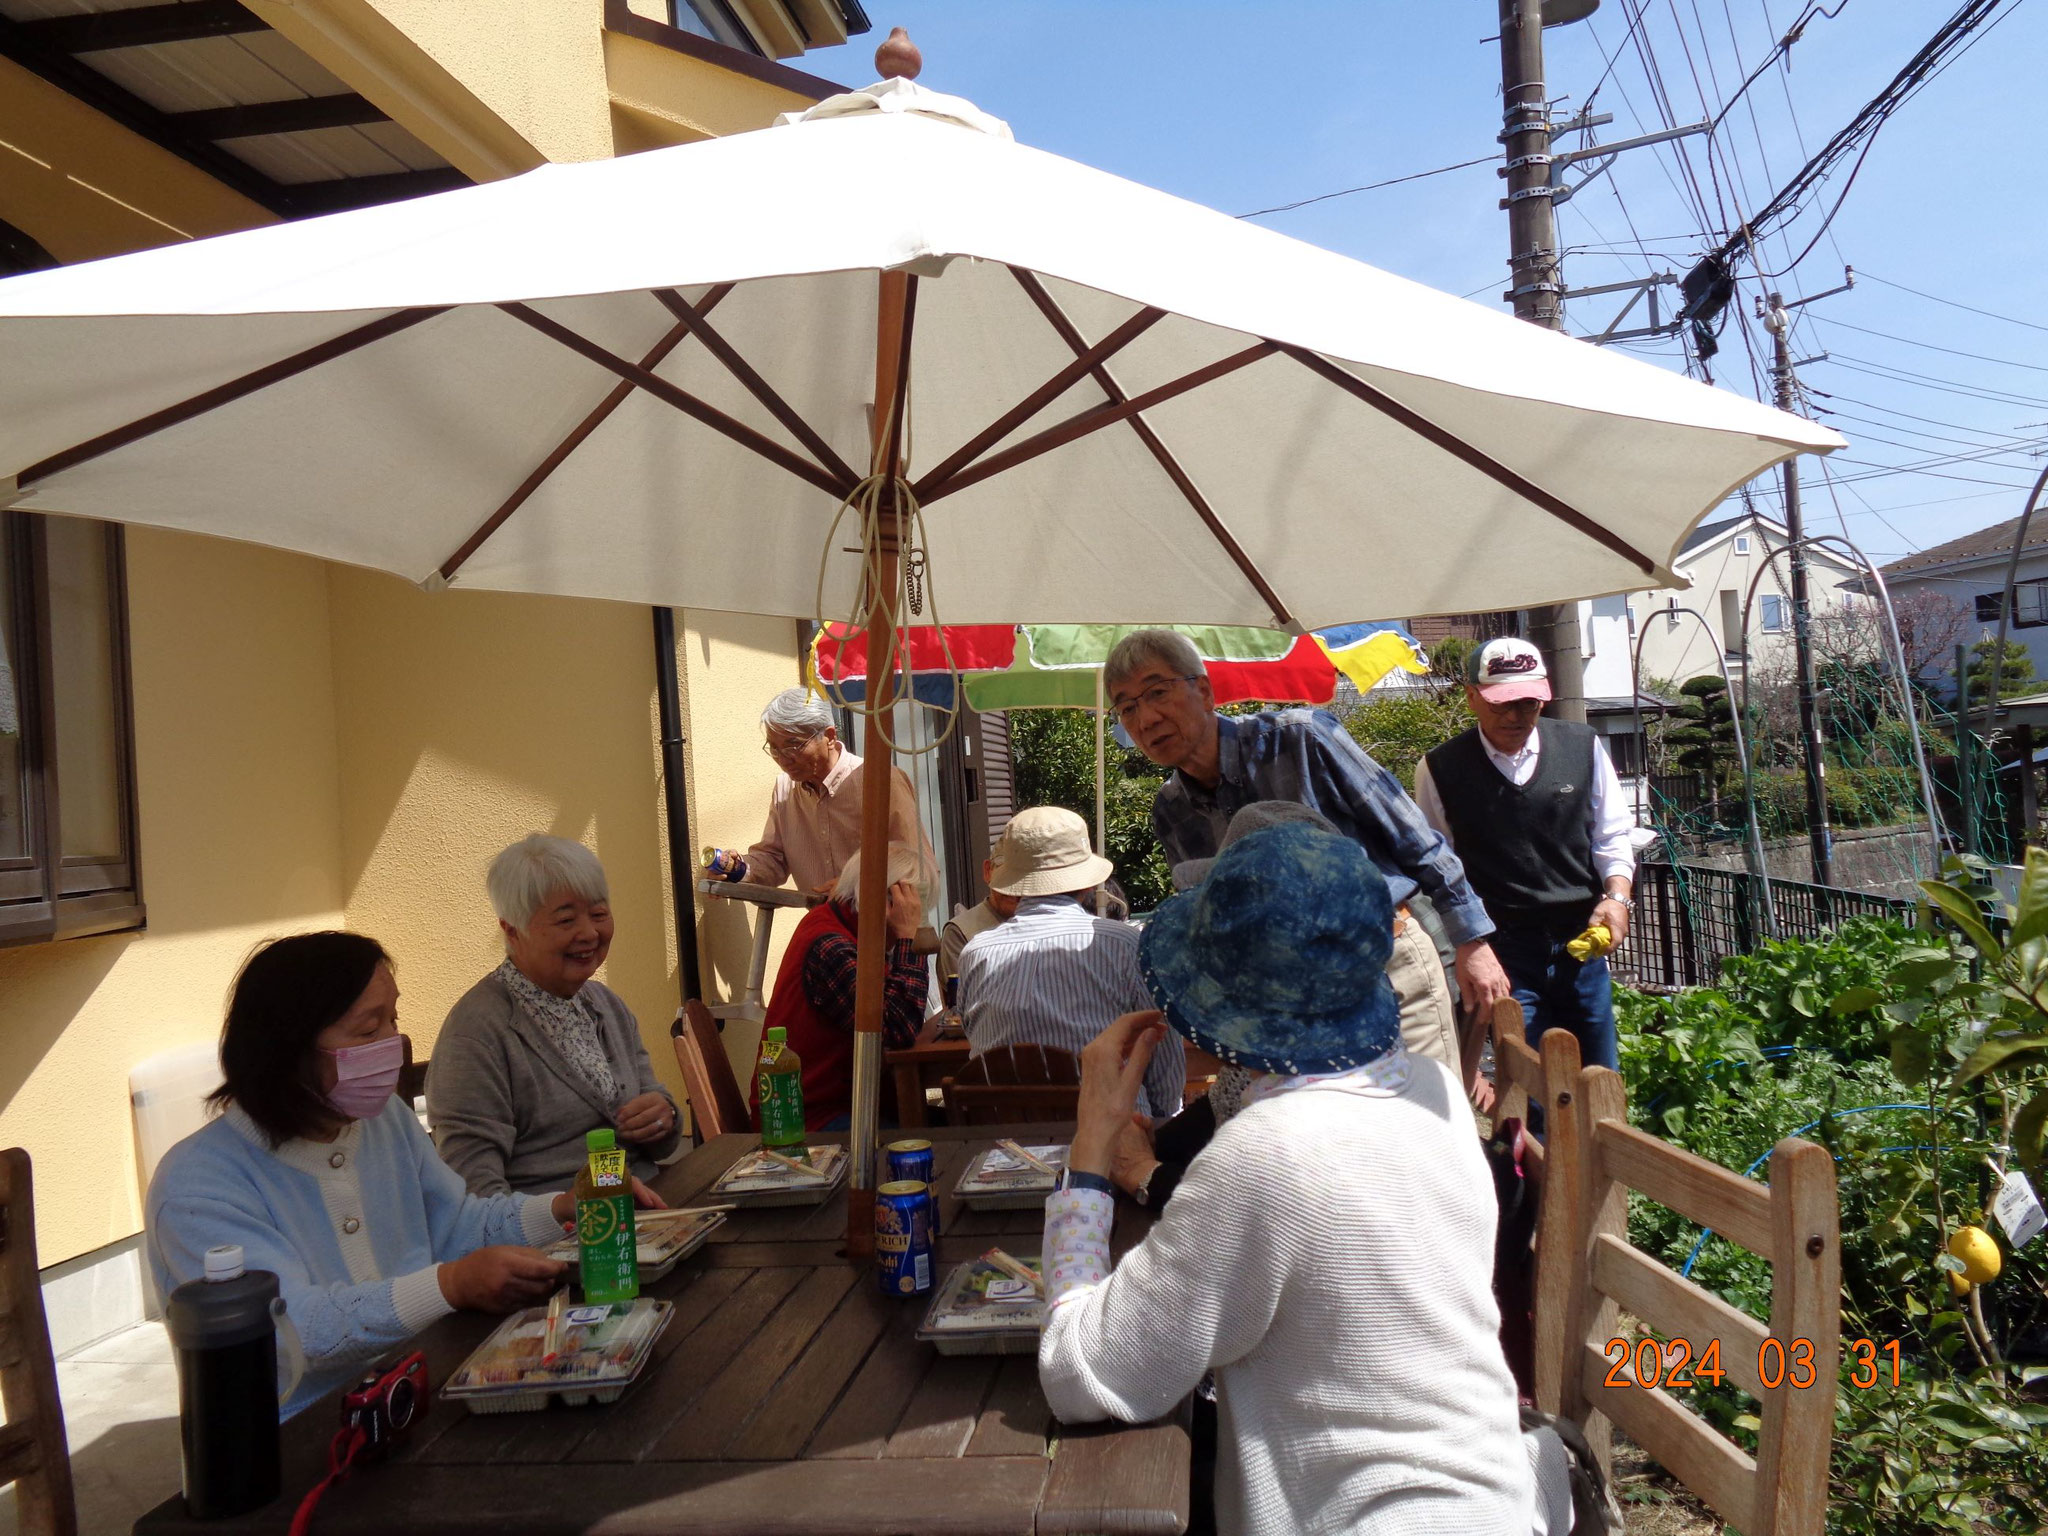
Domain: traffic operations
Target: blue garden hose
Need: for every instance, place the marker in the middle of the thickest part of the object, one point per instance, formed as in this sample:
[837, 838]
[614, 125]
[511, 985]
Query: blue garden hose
[1838, 1114]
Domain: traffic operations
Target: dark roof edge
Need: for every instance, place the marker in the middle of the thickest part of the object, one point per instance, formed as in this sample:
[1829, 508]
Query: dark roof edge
[620, 18]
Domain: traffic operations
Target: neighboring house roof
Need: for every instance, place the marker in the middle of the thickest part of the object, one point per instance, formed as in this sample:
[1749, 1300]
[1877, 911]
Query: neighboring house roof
[1706, 533]
[1984, 546]
[1772, 532]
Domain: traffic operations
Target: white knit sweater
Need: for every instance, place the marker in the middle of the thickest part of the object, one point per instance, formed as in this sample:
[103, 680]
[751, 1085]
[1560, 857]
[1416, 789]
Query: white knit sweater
[1329, 1255]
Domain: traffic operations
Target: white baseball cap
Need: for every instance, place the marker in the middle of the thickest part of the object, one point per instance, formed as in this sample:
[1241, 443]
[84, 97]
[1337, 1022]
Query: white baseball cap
[1507, 669]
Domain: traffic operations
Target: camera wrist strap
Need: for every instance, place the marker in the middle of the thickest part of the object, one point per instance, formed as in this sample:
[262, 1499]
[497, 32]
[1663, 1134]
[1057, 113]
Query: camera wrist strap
[348, 1444]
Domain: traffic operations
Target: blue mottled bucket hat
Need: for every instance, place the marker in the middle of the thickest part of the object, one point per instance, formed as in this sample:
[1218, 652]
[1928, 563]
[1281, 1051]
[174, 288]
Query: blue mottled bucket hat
[1278, 961]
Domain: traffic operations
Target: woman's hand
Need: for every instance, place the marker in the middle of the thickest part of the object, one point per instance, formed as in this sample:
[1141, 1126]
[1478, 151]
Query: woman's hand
[1131, 1161]
[645, 1199]
[646, 1118]
[500, 1279]
[564, 1206]
[1112, 1075]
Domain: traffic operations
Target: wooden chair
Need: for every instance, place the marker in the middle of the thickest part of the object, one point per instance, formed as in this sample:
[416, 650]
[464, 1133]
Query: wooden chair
[1794, 1223]
[717, 1107]
[1203, 1068]
[1014, 1085]
[32, 1449]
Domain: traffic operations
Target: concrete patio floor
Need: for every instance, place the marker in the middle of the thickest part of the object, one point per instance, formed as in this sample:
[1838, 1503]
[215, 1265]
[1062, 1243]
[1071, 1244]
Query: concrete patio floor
[121, 1418]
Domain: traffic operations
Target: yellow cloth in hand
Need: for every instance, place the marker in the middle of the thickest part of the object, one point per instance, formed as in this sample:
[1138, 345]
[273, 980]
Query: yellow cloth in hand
[1591, 944]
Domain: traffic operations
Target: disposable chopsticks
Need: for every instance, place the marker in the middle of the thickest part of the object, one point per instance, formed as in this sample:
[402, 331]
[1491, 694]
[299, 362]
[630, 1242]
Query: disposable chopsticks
[1016, 1151]
[551, 1335]
[676, 1213]
[791, 1162]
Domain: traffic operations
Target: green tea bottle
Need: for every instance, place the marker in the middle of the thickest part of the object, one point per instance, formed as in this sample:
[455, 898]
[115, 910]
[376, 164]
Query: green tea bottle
[779, 1079]
[609, 1246]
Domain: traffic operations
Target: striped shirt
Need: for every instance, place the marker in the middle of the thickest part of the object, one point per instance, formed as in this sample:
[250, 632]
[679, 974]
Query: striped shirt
[1053, 975]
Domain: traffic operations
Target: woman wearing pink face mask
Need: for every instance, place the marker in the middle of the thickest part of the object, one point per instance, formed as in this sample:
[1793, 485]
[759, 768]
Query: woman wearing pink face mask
[324, 1177]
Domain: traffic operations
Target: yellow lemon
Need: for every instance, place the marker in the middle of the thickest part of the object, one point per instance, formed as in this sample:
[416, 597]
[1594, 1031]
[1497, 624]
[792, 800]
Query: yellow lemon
[1978, 1252]
[1958, 1284]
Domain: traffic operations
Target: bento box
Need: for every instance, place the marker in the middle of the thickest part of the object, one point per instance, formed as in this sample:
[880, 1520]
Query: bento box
[758, 1179]
[602, 1351]
[998, 1180]
[666, 1238]
[983, 1309]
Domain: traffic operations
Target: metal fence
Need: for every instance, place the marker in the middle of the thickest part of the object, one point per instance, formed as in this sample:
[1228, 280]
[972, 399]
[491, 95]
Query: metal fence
[1690, 917]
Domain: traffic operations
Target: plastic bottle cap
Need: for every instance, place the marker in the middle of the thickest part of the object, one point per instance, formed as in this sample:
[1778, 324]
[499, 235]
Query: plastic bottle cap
[224, 1262]
[779, 1035]
[600, 1140]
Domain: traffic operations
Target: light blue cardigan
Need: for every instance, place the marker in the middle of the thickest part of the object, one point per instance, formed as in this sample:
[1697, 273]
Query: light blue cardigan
[353, 1229]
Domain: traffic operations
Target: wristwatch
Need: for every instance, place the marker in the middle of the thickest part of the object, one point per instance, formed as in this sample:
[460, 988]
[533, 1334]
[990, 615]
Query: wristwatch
[1072, 1179]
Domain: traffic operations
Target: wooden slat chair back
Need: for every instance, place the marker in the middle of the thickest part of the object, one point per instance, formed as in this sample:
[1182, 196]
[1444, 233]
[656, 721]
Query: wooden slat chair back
[1013, 1085]
[33, 1456]
[1550, 1163]
[1794, 1223]
[717, 1107]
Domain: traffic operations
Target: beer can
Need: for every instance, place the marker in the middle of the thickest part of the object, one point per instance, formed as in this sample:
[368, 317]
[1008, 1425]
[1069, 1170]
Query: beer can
[912, 1161]
[721, 863]
[903, 1238]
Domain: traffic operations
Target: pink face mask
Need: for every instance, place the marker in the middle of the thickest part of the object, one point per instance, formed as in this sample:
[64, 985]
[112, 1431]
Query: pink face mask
[364, 1077]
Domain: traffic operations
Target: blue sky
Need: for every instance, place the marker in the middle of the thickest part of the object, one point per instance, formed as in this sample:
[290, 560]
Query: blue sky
[1246, 106]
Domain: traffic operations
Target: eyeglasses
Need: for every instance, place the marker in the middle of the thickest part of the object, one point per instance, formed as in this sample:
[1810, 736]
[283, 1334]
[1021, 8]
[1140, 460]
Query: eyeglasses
[1154, 697]
[783, 751]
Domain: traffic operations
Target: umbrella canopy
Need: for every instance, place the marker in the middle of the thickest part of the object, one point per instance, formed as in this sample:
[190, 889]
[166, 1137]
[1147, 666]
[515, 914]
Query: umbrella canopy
[653, 378]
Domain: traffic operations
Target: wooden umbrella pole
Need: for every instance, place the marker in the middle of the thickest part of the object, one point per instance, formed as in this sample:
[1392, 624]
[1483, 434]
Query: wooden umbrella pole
[892, 365]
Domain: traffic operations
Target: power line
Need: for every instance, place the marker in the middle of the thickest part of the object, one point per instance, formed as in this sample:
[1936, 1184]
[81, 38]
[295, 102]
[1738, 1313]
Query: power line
[1951, 303]
[1324, 197]
[1899, 375]
[1978, 357]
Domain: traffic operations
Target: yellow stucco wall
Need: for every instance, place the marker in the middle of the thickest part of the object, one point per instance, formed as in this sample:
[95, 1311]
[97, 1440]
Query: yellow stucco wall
[237, 784]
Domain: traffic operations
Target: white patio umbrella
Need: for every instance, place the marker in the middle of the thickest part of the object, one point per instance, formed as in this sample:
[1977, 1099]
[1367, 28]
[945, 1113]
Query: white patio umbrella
[656, 379]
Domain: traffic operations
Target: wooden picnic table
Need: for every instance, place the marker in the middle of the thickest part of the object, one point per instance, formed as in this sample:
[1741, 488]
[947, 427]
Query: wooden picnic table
[786, 1395]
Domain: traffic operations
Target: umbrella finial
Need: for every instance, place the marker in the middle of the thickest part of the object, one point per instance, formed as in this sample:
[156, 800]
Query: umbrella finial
[898, 58]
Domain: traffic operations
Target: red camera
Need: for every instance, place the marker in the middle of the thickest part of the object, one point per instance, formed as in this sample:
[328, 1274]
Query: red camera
[384, 1405]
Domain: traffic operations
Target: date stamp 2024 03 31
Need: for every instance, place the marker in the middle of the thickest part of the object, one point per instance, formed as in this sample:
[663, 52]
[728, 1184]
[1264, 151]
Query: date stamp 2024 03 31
[1651, 1363]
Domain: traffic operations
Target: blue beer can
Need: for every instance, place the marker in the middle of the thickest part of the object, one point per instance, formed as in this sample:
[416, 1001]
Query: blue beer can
[912, 1161]
[903, 1238]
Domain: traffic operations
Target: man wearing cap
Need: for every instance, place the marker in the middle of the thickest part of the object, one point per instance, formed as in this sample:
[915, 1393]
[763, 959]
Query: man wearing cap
[1053, 974]
[1537, 814]
[1160, 695]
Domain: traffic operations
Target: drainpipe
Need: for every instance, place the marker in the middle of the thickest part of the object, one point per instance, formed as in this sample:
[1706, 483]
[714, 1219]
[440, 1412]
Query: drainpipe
[675, 799]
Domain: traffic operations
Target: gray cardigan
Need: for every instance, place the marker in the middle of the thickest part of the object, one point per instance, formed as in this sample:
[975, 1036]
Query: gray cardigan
[509, 1112]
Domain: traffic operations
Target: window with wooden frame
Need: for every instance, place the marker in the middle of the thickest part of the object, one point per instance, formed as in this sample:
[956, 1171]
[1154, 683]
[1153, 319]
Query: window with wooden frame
[68, 862]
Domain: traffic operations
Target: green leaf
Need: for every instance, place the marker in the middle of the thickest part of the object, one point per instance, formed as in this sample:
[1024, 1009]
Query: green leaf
[2030, 1131]
[1918, 969]
[1805, 1000]
[2030, 916]
[1964, 913]
[1912, 1055]
[1994, 1053]
[1854, 1000]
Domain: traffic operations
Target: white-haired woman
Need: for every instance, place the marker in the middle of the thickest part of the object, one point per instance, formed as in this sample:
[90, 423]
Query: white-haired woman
[537, 1054]
[813, 996]
[814, 812]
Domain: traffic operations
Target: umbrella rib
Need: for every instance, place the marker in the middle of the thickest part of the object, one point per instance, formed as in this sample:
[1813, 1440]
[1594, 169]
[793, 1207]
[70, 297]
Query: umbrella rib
[1094, 420]
[225, 394]
[681, 399]
[1084, 363]
[568, 445]
[1458, 448]
[1182, 480]
[758, 387]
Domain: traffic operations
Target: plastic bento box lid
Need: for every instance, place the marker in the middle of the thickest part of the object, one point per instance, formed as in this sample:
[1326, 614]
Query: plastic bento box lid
[757, 1171]
[998, 1172]
[979, 1298]
[601, 1346]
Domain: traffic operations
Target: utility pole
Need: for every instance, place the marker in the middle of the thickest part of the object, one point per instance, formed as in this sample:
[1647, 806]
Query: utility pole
[1537, 286]
[1777, 317]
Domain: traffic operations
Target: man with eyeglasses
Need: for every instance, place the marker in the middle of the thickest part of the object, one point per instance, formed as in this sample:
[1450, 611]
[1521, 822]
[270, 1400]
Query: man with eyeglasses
[814, 812]
[1159, 693]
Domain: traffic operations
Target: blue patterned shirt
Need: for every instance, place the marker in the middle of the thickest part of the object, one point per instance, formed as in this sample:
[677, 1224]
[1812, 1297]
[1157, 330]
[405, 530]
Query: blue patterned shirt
[1305, 756]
